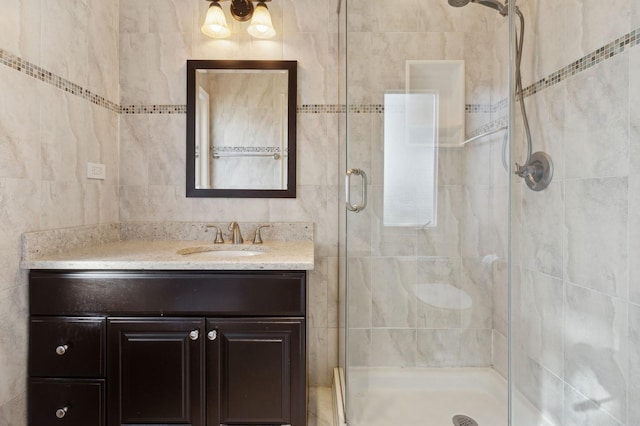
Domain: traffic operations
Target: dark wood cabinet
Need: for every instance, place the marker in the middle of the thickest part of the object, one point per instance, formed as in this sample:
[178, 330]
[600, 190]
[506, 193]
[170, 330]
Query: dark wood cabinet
[199, 348]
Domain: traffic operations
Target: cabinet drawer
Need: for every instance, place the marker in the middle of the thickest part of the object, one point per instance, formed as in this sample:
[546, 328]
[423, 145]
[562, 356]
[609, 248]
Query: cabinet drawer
[67, 347]
[66, 402]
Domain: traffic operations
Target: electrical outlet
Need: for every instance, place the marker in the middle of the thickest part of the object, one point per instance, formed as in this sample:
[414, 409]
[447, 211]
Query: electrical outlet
[96, 171]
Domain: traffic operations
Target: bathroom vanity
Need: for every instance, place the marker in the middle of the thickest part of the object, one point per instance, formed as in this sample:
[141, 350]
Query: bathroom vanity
[185, 345]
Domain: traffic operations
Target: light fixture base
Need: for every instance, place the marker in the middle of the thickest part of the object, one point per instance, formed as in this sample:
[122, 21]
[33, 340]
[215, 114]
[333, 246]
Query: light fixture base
[241, 10]
[215, 24]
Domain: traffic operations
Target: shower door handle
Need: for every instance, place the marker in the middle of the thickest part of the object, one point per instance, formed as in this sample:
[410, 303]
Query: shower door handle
[363, 203]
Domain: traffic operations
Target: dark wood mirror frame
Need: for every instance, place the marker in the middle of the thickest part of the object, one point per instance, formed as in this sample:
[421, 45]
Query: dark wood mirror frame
[192, 67]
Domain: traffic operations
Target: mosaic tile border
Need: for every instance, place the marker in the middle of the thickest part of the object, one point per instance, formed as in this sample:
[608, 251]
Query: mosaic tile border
[366, 109]
[490, 126]
[320, 109]
[39, 73]
[379, 108]
[478, 108]
[590, 60]
[153, 109]
[268, 149]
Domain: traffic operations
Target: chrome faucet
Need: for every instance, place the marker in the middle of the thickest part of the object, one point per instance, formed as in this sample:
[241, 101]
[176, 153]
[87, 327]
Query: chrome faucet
[237, 235]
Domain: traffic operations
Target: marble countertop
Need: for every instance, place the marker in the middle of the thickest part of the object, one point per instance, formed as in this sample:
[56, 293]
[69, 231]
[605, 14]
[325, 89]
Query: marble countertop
[163, 255]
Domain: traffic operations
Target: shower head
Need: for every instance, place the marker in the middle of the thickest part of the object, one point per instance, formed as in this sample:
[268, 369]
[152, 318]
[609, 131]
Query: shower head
[459, 3]
[493, 4]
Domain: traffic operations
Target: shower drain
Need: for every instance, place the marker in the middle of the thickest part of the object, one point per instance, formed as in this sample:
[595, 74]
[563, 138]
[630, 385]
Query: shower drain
[462, 420]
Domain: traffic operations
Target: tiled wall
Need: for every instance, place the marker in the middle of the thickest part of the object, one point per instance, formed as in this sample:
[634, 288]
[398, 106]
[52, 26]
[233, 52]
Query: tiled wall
[576, 305]
[156, 39]
[58, 82]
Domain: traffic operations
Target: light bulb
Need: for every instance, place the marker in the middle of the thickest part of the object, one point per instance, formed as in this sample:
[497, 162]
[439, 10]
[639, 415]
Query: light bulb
[215, 24]
[261, 26]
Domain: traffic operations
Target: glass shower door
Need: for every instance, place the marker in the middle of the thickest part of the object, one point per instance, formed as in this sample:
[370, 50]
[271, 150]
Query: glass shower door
[424, 275]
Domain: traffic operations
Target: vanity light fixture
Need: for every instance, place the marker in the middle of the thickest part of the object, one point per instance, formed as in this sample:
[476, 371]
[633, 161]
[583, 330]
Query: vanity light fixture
[215, 23]
[261, 26]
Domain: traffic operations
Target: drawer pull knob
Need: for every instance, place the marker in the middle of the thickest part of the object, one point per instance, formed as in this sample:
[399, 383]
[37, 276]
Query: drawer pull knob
[193, 335]
[61, 412]
[212, 335]
[62, 349]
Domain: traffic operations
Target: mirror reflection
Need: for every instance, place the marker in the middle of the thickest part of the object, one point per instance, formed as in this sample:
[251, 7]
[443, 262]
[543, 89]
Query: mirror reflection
[241, 122]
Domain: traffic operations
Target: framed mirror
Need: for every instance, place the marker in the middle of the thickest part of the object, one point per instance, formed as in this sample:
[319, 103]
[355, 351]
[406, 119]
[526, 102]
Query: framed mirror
[241, 128]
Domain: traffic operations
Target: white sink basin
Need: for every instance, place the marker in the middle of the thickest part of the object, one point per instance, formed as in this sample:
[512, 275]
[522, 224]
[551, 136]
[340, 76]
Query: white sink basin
[225, 250]
[231, 253]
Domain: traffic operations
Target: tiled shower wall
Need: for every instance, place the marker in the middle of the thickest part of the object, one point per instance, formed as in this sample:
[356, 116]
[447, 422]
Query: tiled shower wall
[576, 280]
[390, 324]
[156, 39]
[47, 135]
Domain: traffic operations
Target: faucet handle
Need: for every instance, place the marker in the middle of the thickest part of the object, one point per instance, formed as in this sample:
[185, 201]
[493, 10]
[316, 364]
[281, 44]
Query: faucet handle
[218, 239]
[257, 239]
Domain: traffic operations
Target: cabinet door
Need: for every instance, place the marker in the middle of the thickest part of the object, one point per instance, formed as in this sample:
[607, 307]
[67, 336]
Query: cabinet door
[155, 370]
[256, 372]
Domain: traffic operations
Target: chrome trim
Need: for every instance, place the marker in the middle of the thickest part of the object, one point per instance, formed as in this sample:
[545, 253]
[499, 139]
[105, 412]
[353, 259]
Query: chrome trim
[357, 208]
[475, 138]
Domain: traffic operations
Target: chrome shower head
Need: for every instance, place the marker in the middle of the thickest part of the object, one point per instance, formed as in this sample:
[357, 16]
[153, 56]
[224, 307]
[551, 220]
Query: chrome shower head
[459, 3]
[493, 4]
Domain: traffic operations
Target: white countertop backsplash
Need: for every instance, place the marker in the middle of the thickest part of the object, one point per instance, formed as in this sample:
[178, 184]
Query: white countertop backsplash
[144, 246]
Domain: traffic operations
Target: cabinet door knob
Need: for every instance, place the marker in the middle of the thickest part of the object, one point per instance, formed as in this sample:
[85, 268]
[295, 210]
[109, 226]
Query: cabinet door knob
[62, 349]
[61, 412]
[193, 335]
[212, 335]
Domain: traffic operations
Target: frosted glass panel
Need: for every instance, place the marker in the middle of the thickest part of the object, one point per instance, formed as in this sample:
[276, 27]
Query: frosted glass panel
[410, 159]
[447, 79]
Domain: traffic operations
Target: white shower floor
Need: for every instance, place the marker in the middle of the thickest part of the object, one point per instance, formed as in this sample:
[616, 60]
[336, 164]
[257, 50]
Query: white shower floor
[431, 397]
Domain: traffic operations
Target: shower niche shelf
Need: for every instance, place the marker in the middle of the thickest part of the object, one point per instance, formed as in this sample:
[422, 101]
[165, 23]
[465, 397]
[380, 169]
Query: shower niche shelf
[446, 78]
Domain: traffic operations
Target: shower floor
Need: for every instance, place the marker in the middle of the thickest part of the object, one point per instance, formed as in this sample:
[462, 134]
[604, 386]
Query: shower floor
[431, 397]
